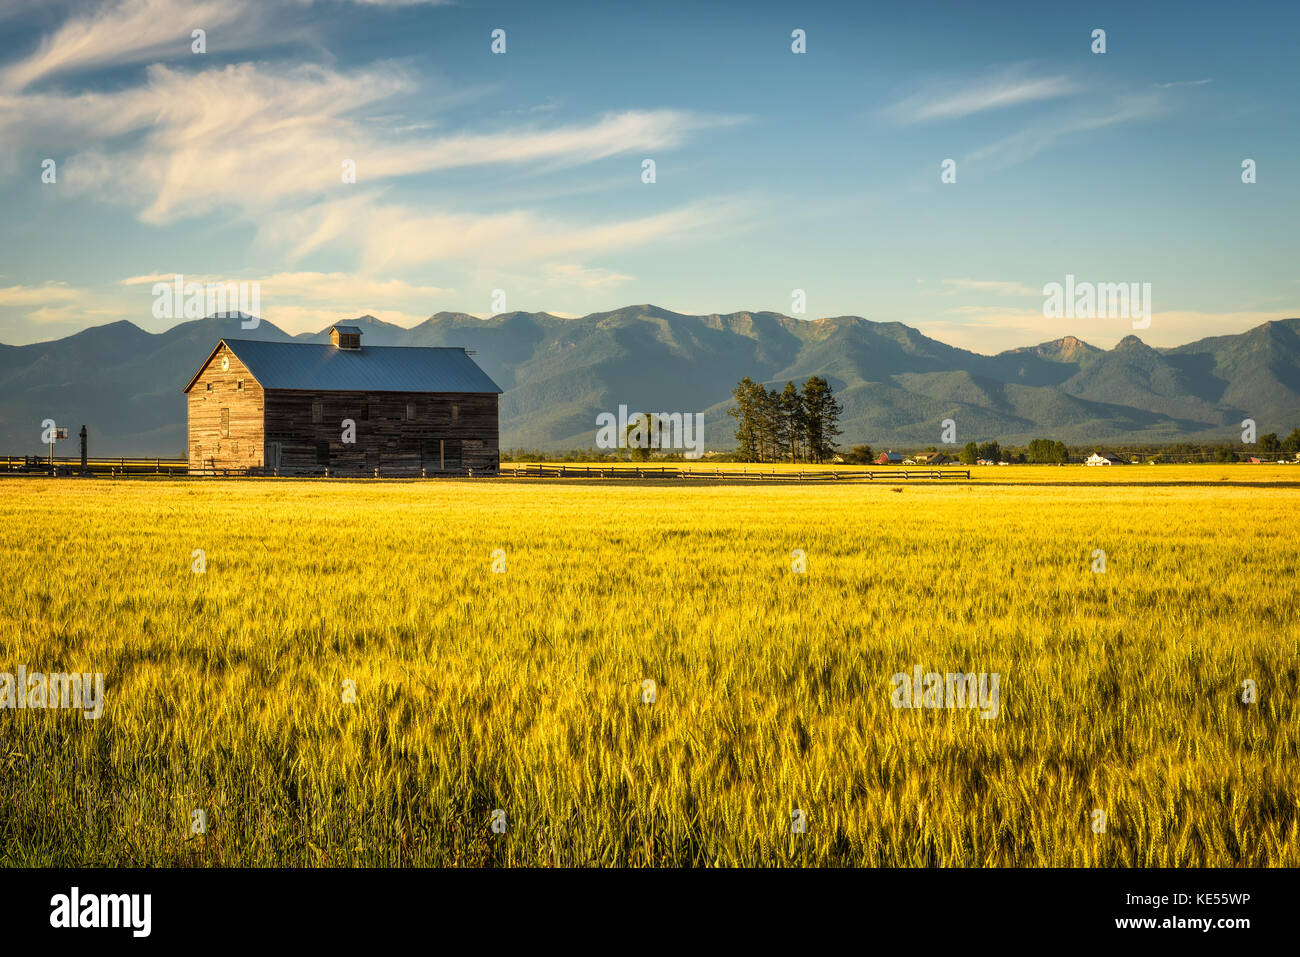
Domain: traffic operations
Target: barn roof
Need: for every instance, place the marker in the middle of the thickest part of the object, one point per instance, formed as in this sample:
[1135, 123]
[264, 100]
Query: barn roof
[307, 366]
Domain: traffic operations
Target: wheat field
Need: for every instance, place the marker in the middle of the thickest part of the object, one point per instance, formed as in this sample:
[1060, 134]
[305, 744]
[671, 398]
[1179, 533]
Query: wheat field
[522, 688]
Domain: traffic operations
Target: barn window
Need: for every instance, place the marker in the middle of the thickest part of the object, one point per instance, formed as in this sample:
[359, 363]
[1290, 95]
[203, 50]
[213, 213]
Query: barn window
[317, 411]
[455, 412]
[225, 423]
[239, 386]
[209, 386]
[322, 453]
[410, 412]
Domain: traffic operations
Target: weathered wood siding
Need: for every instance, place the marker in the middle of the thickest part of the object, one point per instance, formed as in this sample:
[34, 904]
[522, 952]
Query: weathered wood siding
[214, 390]
[385, 437]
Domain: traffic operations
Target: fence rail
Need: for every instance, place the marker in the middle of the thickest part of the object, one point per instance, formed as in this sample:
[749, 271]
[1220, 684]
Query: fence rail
[38, 464]
[35, 465]
[744, 474]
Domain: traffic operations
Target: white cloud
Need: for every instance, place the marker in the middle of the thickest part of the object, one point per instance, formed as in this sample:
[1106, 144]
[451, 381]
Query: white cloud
[992, 329]
[1029, 142]
[991, 286]
[133, 31]
[955, 99]
[38, 295]
[586, 277]
[394, 235]
[307, 301]
[250, 138]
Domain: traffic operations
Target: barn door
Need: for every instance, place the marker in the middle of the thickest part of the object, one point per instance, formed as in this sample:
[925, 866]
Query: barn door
[437, 455]
[273, 455]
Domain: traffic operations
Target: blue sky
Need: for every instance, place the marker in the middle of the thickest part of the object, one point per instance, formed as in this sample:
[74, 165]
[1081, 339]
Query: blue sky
[775, 171]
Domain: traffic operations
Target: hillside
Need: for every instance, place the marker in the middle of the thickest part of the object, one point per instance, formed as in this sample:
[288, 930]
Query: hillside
[896, 384]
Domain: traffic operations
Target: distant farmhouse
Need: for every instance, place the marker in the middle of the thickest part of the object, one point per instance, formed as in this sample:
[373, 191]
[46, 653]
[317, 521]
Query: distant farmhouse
[303, 408]
[928, 458]
[1103, 458]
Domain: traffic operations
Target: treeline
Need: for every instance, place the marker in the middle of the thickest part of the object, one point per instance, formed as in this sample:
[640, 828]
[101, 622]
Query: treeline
[1039, 451]
[788, 426]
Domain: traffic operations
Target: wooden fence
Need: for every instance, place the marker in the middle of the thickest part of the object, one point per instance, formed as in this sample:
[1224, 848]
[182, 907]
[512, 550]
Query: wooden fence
[66, 465]
[750, 473]
[180, 467]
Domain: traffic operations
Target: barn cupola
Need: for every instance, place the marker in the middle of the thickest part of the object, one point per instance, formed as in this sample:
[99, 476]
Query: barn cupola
[346, 337]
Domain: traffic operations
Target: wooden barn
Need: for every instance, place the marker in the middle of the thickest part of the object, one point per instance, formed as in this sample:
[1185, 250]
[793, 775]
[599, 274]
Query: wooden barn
[302, 408]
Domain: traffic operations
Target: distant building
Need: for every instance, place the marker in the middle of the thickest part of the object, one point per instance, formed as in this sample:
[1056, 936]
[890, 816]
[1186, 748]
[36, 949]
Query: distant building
[928, 458]
[304, 408]
[889, 458]
[1103, 458]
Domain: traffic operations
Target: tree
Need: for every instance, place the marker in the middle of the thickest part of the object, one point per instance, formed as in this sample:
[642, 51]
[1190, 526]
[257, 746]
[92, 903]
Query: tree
[1269, 444]
[1047, 451]
[646, 426]
[860, 455]
[794, 423]
[745, 412]
[969, 453]
[1291, 444]
[770, 425]
[822, 411]
[990, 451]
[1224, 454]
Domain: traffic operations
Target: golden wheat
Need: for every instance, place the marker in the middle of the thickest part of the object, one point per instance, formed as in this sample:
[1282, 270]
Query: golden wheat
[522, 690]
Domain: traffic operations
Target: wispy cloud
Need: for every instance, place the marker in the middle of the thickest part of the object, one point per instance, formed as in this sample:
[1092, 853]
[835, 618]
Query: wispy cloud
[250, 137]
[952, 99]
[388, 236]
[1031, 141]
[307, 301]
[134, 31]
[992, 329]
[956, 287]
[586, 277]
[37, 295]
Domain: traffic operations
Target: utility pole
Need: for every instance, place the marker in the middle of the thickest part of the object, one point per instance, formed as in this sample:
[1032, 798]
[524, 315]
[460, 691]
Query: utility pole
[83, 450]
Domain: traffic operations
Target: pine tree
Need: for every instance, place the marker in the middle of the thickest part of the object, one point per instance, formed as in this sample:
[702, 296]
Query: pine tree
[794, 424]
[823, 412]
[745, 413]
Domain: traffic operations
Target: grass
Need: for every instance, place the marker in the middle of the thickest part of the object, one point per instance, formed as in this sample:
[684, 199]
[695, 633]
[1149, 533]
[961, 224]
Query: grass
[521, 690]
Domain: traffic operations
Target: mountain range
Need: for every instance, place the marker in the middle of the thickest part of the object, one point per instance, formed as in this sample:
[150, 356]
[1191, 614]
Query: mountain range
[896, 385]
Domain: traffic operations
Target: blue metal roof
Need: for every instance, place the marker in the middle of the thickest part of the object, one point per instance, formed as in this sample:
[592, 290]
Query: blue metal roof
[299, 365]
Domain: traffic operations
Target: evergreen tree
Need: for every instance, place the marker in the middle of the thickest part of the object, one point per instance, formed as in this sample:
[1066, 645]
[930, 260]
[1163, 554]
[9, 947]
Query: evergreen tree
[793, 424]
[822, 411]
[745, 412]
